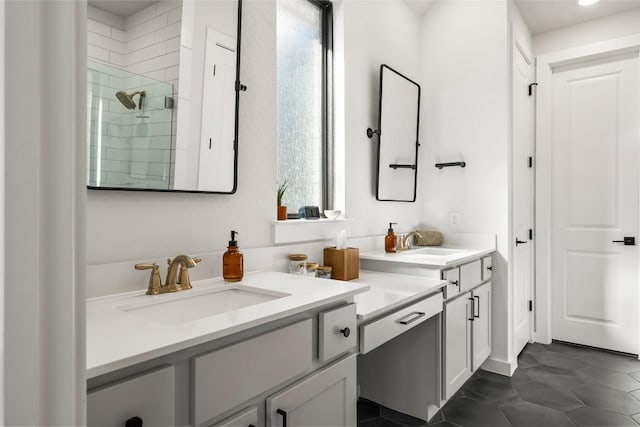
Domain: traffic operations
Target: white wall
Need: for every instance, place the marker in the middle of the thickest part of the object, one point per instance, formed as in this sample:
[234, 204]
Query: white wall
[465, 117]
[375, 33]
[609, 27]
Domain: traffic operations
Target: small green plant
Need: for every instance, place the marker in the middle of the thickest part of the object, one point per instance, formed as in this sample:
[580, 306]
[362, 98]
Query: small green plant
[281, 190]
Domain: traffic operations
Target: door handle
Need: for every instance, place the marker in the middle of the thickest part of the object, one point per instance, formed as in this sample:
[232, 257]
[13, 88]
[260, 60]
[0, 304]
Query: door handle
[520, 242]
[628, 241]
[474, 306]
[284, 416]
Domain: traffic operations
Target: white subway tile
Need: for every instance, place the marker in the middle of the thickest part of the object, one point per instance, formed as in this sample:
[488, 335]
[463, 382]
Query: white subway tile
[167, 5]
[105, 17]
[96, 52]
[168, 32]
[174, 16]
[143, 67]
[168, 60]
[172, 73]
[144, 15]
[118, 34]
[140, 43]
[116, 82]
[134, 31]
[98, 27]
[154, 50]
[157, 75]
[155, 24]
[173, 45]
[116, 58]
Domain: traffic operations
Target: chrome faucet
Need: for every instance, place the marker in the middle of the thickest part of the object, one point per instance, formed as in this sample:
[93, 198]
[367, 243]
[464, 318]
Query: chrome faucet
[175, 281]
[404, 242]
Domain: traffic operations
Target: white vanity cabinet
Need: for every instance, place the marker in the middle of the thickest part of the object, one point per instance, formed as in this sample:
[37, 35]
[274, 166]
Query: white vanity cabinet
[325, 398]
[467, 336]
[304, 365]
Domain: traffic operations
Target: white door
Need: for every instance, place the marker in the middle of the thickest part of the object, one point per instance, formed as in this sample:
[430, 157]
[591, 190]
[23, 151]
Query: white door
[215, 170]
[596, 134]
[523, 118]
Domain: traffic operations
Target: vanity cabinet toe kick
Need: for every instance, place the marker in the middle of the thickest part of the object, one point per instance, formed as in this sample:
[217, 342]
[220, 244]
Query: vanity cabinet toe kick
[389, 326]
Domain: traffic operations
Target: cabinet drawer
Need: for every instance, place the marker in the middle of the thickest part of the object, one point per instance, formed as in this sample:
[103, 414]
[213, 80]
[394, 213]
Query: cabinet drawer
[246, 418]
[227, 377]
[149, 396]
[487, 268]
[453, 287]
[382, 330]
[337, 332]
[470, 275]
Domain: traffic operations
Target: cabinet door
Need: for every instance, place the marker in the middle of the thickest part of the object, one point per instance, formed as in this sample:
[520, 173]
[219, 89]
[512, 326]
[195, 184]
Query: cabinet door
[457, 344]
[481, 324]
[246, 418]
[325, 398]
[138, 397]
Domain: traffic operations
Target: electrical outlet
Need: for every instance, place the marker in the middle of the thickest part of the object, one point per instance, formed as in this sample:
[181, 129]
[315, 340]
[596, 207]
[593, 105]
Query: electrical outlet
[454, 220]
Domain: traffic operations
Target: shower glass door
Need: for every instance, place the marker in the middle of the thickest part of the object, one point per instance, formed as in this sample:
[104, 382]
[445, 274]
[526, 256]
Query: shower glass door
[131, 136]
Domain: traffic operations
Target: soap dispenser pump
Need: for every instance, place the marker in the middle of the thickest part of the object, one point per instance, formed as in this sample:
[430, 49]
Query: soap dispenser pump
[390, 240]
[232, 261]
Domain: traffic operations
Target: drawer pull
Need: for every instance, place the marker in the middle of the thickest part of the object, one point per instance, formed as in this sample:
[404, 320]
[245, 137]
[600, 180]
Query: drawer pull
[346, 332]
[454, 282]
[418, 314]
[284, 416]
[133, 422]
[490, 268]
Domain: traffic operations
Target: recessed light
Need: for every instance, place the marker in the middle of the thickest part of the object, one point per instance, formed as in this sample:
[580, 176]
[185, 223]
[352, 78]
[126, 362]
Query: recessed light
[587, 2]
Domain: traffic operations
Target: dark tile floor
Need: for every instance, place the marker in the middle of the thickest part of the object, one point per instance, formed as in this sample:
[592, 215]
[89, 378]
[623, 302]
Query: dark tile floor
[555, 385]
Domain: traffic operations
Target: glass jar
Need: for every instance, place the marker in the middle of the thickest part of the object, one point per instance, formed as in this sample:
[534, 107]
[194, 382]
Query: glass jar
[298, 264]
[312, 267]
[324, 272]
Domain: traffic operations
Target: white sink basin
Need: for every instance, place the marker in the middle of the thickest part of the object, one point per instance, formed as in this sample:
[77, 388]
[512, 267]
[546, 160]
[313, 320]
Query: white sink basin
[188, 306]
[431, 252]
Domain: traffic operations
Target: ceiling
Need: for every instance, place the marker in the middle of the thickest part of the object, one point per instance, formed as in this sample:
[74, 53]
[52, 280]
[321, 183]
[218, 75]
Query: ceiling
[546, 15]
[122, 8]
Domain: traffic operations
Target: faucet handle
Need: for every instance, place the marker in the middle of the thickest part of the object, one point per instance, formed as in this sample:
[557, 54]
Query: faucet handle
[155, 283]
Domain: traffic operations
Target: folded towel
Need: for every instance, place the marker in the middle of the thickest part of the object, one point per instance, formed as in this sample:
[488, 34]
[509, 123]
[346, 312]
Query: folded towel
[429, 238]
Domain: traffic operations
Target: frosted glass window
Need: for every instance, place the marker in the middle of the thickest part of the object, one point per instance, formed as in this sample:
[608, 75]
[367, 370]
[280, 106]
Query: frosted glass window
[300, 102]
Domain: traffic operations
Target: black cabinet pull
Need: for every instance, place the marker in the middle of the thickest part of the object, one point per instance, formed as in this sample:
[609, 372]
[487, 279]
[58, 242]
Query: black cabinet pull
[284, 416]
[346, 332]
[251, 425]
[628, 241]
[454, 282]
[490, 268]
[520, 242]
[133, 422]
[474, 307]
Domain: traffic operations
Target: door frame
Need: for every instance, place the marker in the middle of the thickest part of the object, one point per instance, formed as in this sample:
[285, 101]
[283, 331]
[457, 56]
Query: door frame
[543, 155]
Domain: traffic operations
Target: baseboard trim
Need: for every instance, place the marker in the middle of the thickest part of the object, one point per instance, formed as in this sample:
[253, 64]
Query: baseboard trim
[499, 366]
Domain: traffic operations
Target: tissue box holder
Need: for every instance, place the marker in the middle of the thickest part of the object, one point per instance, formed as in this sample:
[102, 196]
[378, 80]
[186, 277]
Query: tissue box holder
[345, 263]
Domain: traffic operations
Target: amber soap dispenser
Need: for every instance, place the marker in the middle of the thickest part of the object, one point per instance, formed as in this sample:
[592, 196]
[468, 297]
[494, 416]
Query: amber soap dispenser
[232, 262]
[390, 240]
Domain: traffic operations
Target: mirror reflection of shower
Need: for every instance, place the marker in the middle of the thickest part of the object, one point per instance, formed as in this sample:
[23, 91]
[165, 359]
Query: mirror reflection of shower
[126, 99]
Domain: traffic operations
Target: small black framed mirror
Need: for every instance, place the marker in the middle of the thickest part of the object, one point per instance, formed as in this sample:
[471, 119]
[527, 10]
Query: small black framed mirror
[398, 133]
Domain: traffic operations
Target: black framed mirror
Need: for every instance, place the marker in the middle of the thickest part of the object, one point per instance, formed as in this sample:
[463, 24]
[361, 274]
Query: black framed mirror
[398, 133]
[163, 95]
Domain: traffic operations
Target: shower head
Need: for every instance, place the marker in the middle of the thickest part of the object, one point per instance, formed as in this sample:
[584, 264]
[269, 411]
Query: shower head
[127, 99]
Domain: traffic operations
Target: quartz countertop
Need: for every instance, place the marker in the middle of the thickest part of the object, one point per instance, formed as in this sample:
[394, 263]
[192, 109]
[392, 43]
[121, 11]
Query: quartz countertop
[419, 256]
[117, 338]
[389, 291]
